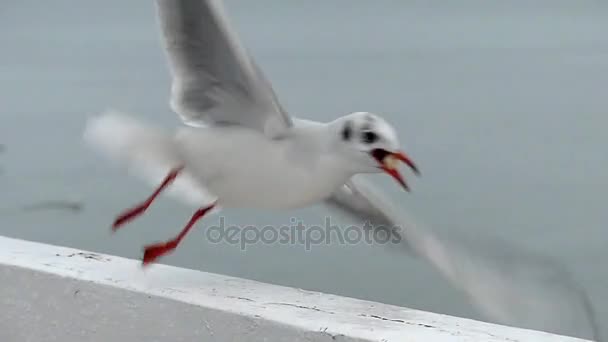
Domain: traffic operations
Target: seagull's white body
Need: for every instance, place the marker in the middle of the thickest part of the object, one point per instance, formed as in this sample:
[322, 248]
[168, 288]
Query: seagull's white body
[232, 165]
[244, 150]
[243, 168]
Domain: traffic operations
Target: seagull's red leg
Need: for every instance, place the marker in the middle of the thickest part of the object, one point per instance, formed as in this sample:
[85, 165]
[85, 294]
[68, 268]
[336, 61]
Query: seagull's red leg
[132, 213]
[154, 251]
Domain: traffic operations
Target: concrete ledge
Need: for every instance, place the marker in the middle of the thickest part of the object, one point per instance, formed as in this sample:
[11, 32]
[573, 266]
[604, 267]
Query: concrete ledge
[51, 293]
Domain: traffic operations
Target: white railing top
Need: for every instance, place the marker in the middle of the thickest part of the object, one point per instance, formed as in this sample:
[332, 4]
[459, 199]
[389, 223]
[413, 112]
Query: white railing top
[327, 317]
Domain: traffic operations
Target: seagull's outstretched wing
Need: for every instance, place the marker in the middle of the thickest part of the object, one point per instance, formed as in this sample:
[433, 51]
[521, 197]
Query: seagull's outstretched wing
[214, 79]
[509, 284]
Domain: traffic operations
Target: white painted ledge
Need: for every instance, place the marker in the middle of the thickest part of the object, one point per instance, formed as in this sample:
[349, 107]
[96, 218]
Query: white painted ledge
[50, 293]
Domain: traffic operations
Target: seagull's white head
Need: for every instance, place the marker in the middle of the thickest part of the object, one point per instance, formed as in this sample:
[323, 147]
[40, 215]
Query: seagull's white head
[370, 145]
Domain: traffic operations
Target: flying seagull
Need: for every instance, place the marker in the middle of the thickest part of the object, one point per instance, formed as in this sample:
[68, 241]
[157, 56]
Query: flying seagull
[239, 148]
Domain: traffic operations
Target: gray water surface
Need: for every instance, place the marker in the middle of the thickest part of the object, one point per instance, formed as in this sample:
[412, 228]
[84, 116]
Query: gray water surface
[503, 105]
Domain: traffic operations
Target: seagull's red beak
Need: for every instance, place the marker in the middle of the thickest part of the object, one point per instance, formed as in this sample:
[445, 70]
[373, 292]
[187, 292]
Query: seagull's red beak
[389, 162]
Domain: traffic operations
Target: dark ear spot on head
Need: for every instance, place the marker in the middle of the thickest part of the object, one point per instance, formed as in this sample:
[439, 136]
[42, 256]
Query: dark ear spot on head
[347, 131]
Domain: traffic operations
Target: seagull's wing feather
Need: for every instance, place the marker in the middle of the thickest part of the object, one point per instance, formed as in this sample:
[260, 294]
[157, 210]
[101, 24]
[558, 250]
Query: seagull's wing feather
[214, 79]
[147, 152]
[509, 284]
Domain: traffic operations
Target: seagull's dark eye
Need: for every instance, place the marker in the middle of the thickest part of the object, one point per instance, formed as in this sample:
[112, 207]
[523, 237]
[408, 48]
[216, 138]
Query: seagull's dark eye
[346, 131]
[369, 137]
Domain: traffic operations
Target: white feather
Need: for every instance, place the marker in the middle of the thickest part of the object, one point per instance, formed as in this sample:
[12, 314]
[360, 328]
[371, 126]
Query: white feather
[148, 152]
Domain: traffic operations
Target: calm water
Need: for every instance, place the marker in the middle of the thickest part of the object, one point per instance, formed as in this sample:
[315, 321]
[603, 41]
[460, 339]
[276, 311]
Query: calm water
[503, 106]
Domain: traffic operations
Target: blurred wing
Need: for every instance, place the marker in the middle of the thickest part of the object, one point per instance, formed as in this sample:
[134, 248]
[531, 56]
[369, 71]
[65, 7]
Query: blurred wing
[147, 152]
[214, 80]
[510, 285]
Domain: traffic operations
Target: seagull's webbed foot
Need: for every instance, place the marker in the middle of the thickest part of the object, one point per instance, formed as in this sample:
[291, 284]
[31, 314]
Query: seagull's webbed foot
[134, 212]
[155, 251]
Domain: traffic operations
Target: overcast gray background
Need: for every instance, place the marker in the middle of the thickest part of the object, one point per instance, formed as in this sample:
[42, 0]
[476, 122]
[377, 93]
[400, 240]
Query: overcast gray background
[503, 104]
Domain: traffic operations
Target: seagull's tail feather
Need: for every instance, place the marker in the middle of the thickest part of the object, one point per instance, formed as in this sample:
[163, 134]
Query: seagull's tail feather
[147, 151]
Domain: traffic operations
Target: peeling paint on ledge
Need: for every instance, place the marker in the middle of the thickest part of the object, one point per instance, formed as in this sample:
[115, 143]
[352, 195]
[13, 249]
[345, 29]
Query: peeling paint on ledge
[52, 293]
